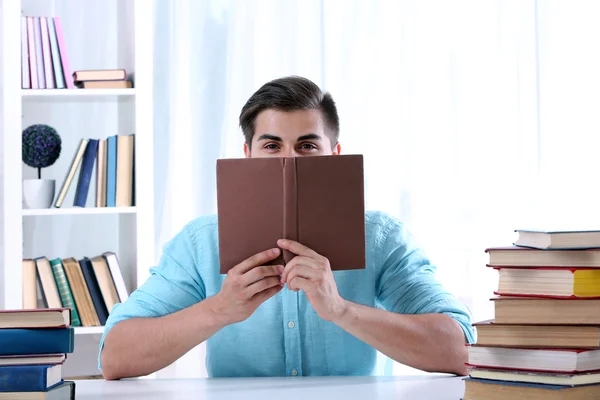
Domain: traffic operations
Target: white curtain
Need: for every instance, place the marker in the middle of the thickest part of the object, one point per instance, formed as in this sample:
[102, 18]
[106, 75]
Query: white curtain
[475, 117]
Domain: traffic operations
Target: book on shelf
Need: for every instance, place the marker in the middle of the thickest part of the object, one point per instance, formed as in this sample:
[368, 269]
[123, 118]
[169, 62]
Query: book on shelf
[564, 239]
[44, 59]
[88, 287]
[549, 282]
[102, 79]
[287, 203]
[113, 160]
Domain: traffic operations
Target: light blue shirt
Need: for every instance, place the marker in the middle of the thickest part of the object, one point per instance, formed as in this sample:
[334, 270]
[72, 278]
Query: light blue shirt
[285, 336]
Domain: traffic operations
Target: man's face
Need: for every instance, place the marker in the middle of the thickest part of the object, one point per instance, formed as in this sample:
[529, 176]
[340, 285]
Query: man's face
[290, 134]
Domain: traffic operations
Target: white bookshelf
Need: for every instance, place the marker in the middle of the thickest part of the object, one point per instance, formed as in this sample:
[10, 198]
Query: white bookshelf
[122, 29]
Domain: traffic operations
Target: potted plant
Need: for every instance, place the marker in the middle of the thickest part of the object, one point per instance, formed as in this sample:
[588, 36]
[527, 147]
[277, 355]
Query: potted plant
[41, 148]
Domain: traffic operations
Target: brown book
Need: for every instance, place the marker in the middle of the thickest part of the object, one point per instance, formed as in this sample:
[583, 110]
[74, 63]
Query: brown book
[83, 300]
[124, 190]
[550, 311]
[317, 201]
[101, 173]
[99, 75]
[490, 333]
[477, 389]
[514, 256]
[48, 284]
[37, 318]
[29, 284]
[104, 85]
[105, 281]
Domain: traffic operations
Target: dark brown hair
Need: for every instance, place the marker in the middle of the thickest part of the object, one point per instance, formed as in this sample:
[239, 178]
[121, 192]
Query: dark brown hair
[289, 94]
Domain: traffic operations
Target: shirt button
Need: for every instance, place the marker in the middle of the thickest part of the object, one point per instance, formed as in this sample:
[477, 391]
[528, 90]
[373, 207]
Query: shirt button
[294, 372]
[291, 324]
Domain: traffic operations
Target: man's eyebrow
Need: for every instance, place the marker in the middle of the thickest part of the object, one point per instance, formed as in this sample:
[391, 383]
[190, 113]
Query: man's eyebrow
[310, 136]
[267, 136]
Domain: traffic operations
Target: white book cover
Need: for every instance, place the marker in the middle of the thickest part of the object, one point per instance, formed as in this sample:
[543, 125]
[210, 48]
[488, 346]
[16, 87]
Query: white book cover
[32, 54]
[38, 53]
[25, 78]
[58, 71]
[49, 75]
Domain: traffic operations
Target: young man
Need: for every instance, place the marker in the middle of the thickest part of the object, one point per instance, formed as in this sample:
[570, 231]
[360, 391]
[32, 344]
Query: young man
[264, 320]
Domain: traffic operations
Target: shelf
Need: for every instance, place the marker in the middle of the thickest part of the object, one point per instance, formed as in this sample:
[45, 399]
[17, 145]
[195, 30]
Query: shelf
[79, 211]
[89, 330]
[75, 93]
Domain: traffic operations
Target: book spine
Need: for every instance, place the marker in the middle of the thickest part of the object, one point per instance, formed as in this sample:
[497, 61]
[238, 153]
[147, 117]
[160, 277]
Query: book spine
[85, 176]
[23, 342]
[74, 165]
[48, 73]
[290, 204]
[94, 289]
[25, 78]
[64, 290]
[58, 72]
[31, 53]
[24, 378]
[62, 47]
[38, 53]
[111, 172]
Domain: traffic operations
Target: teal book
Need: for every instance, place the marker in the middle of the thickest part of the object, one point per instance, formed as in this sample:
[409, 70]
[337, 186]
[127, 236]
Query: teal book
[64, 290]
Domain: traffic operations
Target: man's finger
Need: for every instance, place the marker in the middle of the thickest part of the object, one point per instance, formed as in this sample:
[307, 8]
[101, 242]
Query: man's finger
[261, 272]
[298, 260]
[263, 296]
[303, 271]
[261, 285]
[299, 283]
[256, 260]
[298, 248]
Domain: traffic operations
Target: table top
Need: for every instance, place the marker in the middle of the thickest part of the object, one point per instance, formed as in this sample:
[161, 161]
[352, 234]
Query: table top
[289, 388]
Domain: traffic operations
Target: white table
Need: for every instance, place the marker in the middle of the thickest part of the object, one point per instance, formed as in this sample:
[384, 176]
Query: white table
[292, 388]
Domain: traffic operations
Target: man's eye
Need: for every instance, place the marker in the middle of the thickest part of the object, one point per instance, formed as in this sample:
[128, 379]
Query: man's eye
[271, 146]
[308, 146]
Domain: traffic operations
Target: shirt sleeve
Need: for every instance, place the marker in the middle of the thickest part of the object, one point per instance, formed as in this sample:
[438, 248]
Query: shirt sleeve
[174, 284]
[407, 283]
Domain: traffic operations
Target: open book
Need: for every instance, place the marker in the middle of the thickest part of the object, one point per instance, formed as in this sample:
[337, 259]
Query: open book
[317, 201]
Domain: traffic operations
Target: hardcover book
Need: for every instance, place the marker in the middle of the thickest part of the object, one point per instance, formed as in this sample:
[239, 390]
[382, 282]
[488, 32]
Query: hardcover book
[317, 201]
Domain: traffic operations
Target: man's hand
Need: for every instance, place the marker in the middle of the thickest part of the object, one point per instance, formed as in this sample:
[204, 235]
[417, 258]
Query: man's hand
[311, 272]
[247, 286]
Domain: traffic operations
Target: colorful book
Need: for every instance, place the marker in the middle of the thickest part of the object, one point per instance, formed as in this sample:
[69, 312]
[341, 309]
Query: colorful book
[101, 174]
[94, 289]
[551, 282]
[546, 378]
[32, 53]
[36, 341]
[83, 300]
[71, 173]
[124, 189]
[29, 284]
[550, 311]
[25, 77]
[62, 47]
[287, 200]
[48, 70]
[85, 175]
[64, 290]
[38, 318]
[99, 75]
[105, 282]
[111, 171]
[54, 50]
[29, 378]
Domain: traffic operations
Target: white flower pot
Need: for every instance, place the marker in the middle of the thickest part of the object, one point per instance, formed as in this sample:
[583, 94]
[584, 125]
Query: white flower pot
[38, 193]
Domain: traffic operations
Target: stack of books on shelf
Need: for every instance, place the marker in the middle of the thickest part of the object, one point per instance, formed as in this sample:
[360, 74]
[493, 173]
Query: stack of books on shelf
[113, 159]
[544, 342]
[102, 79]
[89, 287]
[44, 60]
[33, 346]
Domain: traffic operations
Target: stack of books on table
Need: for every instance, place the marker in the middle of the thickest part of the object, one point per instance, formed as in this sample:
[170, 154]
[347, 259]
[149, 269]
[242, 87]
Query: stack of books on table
[544, 342]
[102, 79]
[33, 346]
